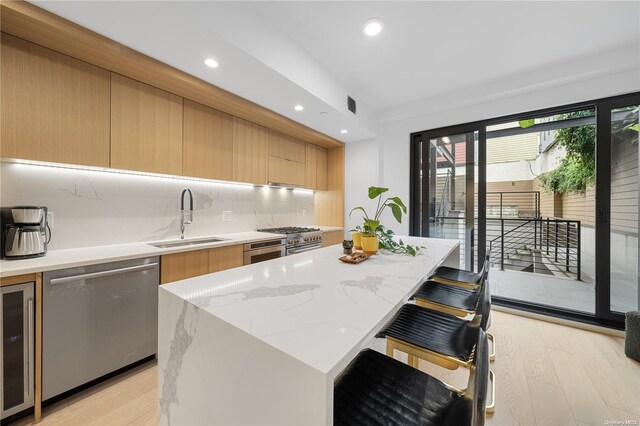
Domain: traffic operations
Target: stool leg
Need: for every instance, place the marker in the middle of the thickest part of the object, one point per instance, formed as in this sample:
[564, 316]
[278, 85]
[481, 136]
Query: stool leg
[390, 348]
[492, 355]
[411, 360]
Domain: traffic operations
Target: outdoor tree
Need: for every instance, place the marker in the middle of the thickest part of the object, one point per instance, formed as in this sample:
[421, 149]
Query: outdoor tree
[577, 170]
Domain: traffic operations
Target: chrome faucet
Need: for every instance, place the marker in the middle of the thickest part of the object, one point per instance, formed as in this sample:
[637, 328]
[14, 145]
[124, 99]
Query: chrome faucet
[184, 222]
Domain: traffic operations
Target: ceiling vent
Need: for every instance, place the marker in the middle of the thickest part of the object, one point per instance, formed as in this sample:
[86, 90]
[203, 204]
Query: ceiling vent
[351, 104]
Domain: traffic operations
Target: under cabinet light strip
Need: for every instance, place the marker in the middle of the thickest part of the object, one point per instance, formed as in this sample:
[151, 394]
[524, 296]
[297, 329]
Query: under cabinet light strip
[136, 173]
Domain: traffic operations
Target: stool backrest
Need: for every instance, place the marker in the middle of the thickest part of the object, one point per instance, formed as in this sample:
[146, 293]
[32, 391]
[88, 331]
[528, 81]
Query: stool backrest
[484, 305]
[485, 265]
[479, 380]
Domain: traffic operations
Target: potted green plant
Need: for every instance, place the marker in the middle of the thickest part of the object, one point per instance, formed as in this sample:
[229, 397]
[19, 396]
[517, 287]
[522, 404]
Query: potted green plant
[374, 235]
[356, 236]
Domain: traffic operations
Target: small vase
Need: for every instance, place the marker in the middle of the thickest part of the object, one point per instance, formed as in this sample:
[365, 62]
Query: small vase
[357, 240]
[370, 244]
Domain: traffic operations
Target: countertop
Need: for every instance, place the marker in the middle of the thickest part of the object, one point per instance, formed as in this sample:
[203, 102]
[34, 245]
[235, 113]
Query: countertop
[311, 306]
[69, 258]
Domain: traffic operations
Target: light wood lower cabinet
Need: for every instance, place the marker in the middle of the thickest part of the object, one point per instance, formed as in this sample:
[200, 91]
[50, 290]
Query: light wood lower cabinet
[286, 171]
[250, 151]
[332, 237]
[207, 145]
[146, 127]
[180, 266]
[226, 258]
[53, 107]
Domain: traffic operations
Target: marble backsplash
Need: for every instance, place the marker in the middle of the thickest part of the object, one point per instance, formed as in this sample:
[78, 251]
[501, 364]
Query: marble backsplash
[92, 208]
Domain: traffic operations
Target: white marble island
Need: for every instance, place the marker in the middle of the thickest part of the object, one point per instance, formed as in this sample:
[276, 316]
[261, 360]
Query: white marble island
[262, 344]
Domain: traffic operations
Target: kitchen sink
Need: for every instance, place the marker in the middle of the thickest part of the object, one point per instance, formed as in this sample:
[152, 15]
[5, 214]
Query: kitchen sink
[180, 243]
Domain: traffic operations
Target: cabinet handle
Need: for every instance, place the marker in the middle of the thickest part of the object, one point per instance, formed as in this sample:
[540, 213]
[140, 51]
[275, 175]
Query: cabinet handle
[63, 280]
[31, 359]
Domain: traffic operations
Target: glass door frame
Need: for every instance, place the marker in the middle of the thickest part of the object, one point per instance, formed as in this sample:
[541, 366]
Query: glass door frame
[604, 108]
[419, 224]
[603, 314]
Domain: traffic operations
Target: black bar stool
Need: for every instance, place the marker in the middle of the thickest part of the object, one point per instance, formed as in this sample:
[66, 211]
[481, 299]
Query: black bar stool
[437, 337]
[461, 277]
[454, 300]
[377, 390]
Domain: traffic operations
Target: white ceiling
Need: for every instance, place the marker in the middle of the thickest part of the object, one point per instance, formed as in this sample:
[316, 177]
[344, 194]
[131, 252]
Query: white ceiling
[430, 48]
[279, 54]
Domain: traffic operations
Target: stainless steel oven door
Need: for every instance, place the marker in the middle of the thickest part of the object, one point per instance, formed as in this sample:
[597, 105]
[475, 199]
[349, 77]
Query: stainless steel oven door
[302, 249]
[263, 251]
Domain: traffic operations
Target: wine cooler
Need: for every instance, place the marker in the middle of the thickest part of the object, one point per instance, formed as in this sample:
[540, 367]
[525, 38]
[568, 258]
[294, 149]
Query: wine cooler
[17, 354]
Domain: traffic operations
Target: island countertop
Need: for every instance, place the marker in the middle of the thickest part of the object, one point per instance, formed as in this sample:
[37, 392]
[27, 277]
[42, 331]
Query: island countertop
[315, 311]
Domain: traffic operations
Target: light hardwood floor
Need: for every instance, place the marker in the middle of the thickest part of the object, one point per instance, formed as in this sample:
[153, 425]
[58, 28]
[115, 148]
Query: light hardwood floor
[547, 374]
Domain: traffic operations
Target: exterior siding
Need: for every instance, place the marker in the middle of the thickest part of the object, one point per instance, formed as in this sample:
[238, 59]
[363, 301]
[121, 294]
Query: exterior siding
[512, 148]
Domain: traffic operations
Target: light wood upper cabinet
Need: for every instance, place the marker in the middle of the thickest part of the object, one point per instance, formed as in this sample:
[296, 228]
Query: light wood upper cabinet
[322, 165]
[226, 258]
[146, 127]
[250, 151]
[286, 171]
[311, 167]
[54, 108]
[284, 146]
[316, 168]
[207, 145]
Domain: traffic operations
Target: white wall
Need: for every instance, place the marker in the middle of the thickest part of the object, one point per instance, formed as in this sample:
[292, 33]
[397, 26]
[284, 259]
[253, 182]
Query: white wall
[362, 170]
[394, 136]
[94, 208]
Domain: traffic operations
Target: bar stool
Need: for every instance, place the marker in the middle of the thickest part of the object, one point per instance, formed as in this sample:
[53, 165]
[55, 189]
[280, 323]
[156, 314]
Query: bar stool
[378, 390]
[460, 277]
[437, 337]
[455, 300]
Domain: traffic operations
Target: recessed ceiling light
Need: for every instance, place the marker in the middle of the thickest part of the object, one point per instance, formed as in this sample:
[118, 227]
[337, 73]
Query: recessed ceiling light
[298, 107]
[344, 131]
[372, 26]
[210, 62]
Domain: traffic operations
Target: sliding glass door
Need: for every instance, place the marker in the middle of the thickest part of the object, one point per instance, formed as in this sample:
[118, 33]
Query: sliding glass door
[553, 194]
[617, 244]
[445, 183]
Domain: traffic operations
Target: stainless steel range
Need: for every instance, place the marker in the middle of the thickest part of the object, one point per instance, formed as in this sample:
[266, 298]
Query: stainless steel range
[299, 239]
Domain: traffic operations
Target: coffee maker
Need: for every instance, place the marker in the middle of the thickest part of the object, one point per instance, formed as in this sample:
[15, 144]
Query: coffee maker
[24, 232]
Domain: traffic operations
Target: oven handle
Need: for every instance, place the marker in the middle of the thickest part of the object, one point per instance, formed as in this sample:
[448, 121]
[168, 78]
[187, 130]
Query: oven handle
[302, 250]
[248, 254]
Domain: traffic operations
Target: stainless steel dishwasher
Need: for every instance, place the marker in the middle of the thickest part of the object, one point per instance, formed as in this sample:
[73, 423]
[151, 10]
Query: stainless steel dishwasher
[97, 319]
